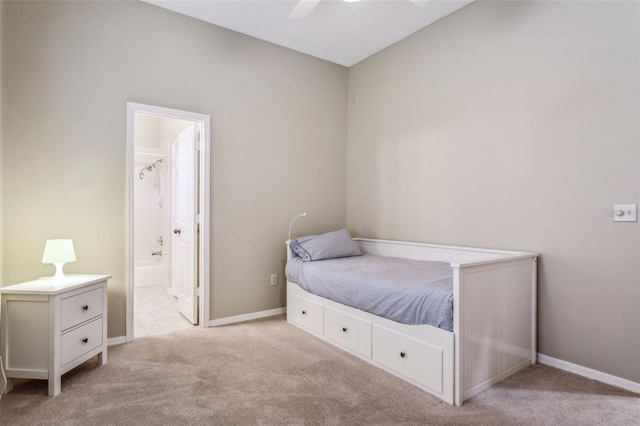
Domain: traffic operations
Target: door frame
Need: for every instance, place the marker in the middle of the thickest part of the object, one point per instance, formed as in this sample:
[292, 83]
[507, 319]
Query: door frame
[204, 243]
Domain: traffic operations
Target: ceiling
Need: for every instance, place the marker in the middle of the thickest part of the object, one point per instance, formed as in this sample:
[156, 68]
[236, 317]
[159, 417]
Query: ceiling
[337, 31]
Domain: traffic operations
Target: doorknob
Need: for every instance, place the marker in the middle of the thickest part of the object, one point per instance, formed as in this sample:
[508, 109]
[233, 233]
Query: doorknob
[177, 231]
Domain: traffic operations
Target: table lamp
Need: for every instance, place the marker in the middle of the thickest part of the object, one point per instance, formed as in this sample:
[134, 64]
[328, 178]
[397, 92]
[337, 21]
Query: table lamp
[58, 252]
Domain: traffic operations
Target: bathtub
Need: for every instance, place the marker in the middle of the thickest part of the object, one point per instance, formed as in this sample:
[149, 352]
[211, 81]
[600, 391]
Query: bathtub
[147, 273]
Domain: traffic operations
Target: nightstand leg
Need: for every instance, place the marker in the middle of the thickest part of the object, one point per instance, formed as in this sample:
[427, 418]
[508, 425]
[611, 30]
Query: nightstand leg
[54, 384]
[102, 357]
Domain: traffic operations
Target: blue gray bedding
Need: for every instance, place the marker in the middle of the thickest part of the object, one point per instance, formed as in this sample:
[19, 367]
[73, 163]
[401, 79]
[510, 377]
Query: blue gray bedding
[402, 290]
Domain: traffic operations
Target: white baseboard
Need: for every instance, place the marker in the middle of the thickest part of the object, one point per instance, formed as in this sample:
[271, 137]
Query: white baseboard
[113, 341]
[589, 373]
[246, 317]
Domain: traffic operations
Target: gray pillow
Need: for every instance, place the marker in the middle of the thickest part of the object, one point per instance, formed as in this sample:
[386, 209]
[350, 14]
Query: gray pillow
[326, 246]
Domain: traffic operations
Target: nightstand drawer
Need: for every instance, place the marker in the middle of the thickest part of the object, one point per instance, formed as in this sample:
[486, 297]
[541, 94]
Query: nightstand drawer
[80, 308]
[78, 342]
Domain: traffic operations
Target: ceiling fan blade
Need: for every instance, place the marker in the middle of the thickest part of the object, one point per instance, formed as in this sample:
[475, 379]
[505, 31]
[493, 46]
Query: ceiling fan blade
[419, 3]
[303, 9]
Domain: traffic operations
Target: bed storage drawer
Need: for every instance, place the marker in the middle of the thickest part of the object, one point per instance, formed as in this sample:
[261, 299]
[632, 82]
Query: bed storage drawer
[305, 312]
[409, 357]
[348, 331]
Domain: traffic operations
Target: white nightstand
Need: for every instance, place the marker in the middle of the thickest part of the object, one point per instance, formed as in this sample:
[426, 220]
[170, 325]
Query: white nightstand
[50, 327]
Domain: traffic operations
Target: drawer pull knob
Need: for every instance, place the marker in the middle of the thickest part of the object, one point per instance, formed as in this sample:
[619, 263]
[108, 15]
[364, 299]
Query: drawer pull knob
[85, 307]
[402, 354]
[304, 312]
[85, 340]
[344, 329]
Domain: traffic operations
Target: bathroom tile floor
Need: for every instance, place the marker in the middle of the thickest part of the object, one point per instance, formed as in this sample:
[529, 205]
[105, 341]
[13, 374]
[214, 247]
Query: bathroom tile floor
[155, 312]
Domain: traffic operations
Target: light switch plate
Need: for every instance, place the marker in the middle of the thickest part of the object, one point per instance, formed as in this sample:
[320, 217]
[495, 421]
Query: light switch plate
[625, 213]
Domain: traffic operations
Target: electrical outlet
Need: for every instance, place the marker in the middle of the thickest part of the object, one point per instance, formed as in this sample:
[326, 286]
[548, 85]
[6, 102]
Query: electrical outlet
[274, 279]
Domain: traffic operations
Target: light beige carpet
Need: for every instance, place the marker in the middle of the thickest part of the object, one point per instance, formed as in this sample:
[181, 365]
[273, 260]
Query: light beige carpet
[268, 372]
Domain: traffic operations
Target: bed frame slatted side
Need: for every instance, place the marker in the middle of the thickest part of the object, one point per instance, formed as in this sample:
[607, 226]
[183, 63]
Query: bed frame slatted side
[494, 323]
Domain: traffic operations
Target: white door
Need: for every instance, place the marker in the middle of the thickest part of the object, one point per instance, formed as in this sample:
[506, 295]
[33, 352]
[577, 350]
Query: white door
[184, 210]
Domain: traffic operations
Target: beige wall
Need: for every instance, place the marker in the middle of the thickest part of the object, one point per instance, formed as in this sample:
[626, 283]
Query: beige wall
[514, 125]
[278, 121]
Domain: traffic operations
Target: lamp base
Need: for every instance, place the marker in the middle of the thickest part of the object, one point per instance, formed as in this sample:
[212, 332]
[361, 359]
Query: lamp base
[59, 276]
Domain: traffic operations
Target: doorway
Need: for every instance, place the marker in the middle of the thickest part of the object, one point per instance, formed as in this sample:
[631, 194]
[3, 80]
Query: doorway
[168, 226]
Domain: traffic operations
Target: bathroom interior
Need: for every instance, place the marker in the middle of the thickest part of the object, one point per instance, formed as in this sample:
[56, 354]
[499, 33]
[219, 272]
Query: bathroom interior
[155, 302]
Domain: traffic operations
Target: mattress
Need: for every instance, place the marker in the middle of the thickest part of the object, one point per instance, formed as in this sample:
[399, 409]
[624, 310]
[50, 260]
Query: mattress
[402, 290]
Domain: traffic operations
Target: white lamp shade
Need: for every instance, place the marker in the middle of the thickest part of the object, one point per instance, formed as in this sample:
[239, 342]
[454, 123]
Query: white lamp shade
[58, 251]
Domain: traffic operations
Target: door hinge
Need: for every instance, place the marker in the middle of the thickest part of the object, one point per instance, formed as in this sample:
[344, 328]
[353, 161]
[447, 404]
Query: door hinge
[196, 291]
[197, 218]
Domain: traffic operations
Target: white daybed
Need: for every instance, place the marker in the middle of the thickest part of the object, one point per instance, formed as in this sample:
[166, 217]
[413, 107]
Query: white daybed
[494, 328]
